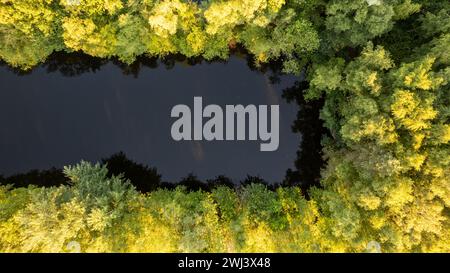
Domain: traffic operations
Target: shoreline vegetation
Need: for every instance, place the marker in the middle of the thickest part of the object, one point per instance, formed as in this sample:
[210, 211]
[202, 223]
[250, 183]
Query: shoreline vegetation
[381, 67]
[32, 30]
[143, 178]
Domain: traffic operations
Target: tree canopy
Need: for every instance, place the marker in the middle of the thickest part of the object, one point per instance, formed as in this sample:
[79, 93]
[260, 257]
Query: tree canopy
[382, 68]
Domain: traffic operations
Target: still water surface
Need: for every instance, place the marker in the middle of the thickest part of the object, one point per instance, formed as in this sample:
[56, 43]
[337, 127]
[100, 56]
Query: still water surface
[53, 119]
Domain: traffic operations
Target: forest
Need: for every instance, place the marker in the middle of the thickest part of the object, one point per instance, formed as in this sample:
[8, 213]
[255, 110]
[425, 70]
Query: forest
[380, 67]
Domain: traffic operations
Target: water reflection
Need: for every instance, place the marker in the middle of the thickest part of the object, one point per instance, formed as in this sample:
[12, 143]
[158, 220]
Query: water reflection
[309, 155]
[78, 63]
[77, 107]
[144, 178]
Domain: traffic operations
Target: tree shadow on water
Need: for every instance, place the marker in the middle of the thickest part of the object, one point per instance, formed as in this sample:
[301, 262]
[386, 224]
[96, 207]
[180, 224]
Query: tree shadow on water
[309, 160]
[72, 64]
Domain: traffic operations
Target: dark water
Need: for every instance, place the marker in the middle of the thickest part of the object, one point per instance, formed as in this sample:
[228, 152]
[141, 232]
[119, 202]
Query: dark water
[74, 109]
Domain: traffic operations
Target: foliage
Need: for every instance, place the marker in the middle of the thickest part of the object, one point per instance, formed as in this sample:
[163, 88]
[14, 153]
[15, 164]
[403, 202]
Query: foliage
[380, 66]
[388, 176]
[107, 215]
[127, 29]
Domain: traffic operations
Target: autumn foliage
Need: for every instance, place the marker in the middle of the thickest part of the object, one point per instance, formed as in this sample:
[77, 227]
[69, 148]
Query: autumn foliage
[382, 67]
